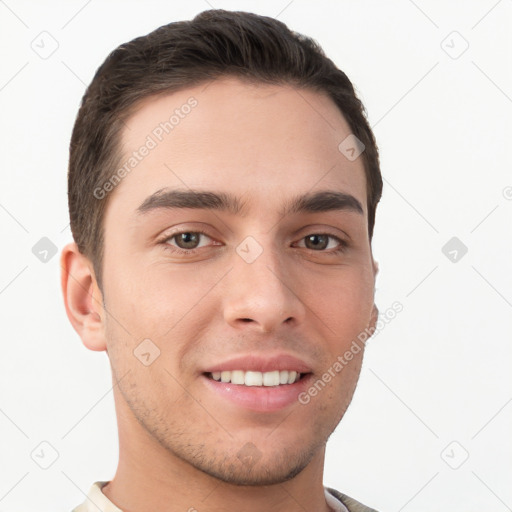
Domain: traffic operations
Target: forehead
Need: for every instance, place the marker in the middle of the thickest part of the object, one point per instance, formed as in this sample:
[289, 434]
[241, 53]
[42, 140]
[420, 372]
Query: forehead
[257, 140]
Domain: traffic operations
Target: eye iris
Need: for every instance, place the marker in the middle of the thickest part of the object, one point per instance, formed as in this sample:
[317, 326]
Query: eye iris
[314, 239]
[187, 238]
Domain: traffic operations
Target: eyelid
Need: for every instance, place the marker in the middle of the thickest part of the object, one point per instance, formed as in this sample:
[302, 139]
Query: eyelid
[168, 236]
[178, 229]
[319, 229]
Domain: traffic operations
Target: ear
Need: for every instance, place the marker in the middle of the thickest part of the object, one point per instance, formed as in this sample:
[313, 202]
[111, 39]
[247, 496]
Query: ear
[373, 318]
[82, 297]
[375, 266]
[375, 310]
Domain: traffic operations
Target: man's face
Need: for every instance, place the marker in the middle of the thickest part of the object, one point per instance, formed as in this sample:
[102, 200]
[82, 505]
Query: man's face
[273, 291]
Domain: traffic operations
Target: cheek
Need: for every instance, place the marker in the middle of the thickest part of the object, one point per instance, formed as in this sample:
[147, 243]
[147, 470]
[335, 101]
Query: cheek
[145, 301]
[169, 309]
[344, 304]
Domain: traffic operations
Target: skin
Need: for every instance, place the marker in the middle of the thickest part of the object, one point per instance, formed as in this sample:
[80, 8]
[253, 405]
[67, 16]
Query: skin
[179, 440]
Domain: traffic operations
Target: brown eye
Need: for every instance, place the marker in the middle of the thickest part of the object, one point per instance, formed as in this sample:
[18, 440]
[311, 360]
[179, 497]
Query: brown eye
[187, 240]
[317, 241]
[324, 243]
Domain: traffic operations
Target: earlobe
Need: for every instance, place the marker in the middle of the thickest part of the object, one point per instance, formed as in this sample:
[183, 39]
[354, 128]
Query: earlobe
[375, 268]
[375, 310]
[374, 317]
[82, 297]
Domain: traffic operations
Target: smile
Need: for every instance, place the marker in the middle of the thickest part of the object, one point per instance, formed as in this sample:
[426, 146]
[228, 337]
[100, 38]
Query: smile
[253, 378]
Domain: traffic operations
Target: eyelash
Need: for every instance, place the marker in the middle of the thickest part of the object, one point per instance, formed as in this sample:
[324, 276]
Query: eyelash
[343, 245]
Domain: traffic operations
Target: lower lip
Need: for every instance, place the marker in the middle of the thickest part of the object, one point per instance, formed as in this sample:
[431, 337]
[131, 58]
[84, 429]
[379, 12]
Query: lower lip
[260, 398]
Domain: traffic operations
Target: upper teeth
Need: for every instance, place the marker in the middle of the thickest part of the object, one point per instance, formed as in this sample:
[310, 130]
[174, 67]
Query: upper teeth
[273, 378]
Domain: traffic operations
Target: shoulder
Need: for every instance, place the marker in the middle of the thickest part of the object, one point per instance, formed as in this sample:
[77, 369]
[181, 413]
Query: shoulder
[351, 504]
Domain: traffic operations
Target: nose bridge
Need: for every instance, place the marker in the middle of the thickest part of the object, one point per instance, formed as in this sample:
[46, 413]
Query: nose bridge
[258, 289]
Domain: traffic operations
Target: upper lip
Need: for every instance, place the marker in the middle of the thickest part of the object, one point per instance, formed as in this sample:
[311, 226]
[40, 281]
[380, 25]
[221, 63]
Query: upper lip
[260, 363]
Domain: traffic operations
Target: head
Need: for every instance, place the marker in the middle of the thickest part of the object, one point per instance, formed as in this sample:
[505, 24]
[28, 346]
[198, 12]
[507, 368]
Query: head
[216, 215]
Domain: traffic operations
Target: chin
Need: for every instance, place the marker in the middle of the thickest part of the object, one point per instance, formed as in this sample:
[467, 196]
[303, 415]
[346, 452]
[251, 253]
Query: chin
[264, 470]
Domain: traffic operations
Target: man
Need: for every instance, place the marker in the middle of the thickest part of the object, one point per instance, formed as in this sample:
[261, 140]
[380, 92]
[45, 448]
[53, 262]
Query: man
[223, 182]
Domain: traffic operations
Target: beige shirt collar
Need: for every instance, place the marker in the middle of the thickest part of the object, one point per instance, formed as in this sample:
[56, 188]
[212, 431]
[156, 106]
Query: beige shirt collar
[96, 500]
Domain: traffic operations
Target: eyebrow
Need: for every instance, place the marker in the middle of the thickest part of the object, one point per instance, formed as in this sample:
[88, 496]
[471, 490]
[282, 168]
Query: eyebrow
[321, 201]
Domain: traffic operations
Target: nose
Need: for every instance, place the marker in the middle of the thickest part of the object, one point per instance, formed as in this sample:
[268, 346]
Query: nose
[262, 295]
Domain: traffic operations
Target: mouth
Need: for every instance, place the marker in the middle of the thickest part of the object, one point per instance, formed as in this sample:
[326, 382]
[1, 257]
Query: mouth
[250, 378]
[257, 382]
[254, 391]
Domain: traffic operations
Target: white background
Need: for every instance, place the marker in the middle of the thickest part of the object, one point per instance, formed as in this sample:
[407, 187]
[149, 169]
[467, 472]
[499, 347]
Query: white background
[438, 373]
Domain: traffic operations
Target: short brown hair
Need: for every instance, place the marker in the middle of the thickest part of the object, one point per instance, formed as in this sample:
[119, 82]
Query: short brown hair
[183, 54]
